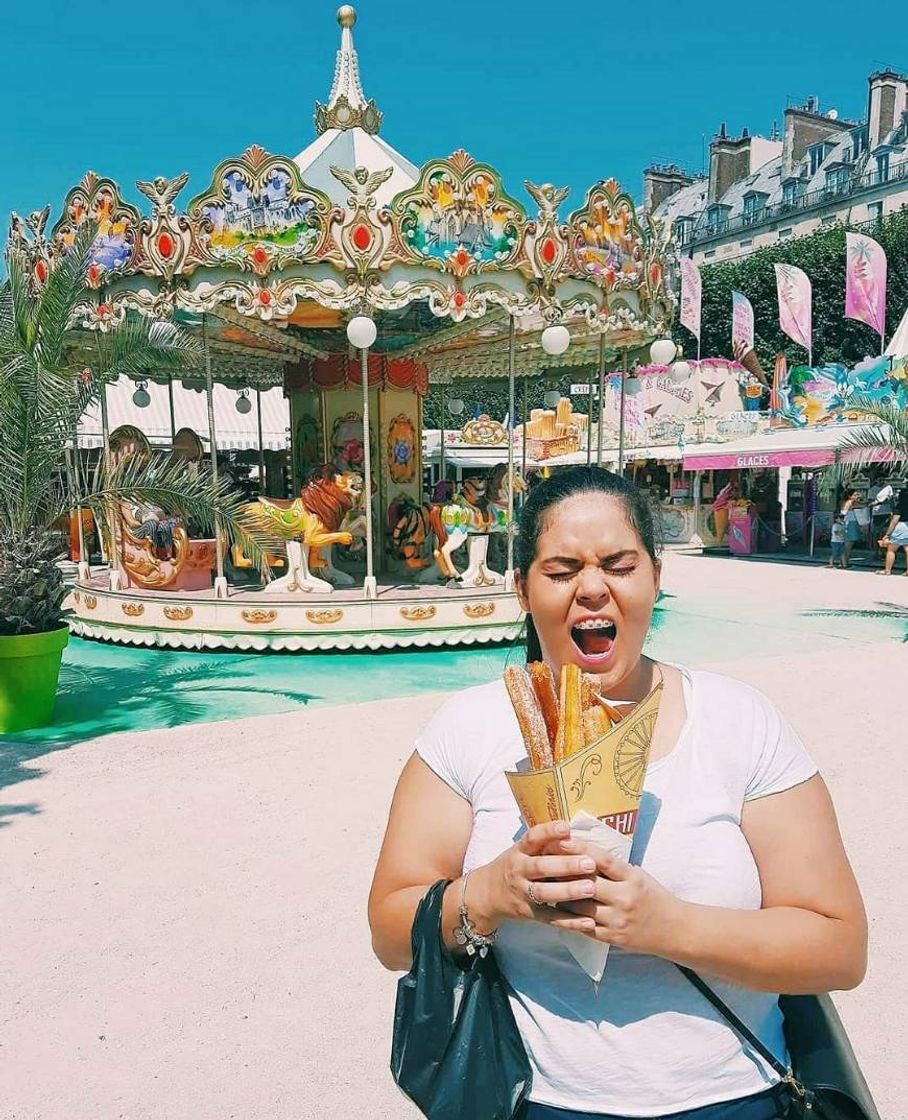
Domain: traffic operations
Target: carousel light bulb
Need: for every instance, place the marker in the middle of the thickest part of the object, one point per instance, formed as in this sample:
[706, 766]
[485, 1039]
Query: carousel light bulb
[680, 371]
[551, 398]
[662, 351]
[243, 404]
[556, 339]
[361, 332]
[140, 397]
[633, 385]
[456, 406]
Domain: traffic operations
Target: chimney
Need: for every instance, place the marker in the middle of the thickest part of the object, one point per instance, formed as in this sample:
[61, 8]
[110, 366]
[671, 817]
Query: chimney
[888, 101]
[661, 182]
[803, 128]
[729, 161]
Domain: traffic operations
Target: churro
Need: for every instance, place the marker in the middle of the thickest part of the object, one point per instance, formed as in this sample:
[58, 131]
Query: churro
[529, 717]
[543, 683]
[570, 729]
[595, 724]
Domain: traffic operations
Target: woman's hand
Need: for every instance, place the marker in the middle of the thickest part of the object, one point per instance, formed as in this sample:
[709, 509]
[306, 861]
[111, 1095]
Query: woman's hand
[501, 889]
[629, 908]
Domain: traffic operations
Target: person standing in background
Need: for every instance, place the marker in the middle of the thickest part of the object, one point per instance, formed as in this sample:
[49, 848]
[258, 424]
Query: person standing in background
[837, 557]
[853, 532]
[896, 535]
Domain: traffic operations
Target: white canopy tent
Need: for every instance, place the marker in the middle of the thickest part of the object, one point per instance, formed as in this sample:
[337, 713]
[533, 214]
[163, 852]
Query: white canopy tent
[235, 431]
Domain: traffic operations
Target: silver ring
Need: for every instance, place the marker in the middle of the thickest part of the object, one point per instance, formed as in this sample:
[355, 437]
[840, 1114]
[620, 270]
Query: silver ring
[535, 900]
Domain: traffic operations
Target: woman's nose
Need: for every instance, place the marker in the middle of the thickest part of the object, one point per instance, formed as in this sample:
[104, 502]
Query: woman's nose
[593, 586]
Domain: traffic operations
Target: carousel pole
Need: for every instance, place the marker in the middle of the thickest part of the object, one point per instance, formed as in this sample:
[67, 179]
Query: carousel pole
[220, 582]
[113, 558]
[76, 472]
[523, 442]
[258, 413]
[370, 586]
[599, 427]
[621, 417]
[589, 419]
[512, 340]
[441, 453]
[173, 415]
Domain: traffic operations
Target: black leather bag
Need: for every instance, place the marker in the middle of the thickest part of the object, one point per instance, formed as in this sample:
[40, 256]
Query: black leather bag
[456, 1050]
[824, 1080]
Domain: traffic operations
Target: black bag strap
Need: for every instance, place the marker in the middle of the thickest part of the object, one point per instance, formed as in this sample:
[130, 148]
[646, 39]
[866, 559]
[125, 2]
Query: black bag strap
[738, 1025]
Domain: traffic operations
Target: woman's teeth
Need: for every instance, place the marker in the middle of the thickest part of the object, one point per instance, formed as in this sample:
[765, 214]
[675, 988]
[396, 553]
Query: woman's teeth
[594, 638]
[595, 624]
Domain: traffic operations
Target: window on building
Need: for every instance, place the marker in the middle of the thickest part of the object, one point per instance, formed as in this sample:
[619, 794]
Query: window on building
[875, 211]
[709, 254]
[783, 233]
[858, 143]
[754, 206]
[816, 153]
[717, 219]
[684, 227]
[746, 244]
[829, 220]
[792, 191]
[837, 180]
[882, 167]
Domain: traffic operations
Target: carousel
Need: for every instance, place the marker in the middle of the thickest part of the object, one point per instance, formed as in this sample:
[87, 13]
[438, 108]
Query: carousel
[352, 279]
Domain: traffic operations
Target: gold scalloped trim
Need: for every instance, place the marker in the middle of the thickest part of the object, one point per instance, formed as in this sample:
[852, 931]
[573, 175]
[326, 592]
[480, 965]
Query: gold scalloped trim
[325, 618]
[479, 610]
[133, 610]
[417, 614]
[258, 617]
[178, 614]
[91, 602]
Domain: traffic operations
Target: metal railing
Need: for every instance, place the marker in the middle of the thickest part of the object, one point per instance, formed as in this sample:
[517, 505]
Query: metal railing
[706, 228]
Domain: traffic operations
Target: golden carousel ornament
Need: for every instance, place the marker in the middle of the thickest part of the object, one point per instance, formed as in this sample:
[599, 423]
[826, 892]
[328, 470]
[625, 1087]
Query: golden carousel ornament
[352, 279]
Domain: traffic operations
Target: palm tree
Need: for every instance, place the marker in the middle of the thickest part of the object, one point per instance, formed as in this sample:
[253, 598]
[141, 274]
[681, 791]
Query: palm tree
[882, 438]
[50, 371]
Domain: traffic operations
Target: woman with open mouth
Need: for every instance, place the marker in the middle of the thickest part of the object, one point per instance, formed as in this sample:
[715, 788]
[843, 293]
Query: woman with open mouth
[737, 870]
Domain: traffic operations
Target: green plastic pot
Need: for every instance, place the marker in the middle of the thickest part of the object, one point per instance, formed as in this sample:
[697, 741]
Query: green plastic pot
[29, 670]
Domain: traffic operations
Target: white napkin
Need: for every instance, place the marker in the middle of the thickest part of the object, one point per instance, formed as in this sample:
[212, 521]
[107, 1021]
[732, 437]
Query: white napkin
[591, 955]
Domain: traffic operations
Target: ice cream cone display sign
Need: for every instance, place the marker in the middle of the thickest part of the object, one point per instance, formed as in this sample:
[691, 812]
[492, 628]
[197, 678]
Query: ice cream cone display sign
[587, 766]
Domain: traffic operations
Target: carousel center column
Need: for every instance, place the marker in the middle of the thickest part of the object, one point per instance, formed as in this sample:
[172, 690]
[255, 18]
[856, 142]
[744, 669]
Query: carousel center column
[361, 333]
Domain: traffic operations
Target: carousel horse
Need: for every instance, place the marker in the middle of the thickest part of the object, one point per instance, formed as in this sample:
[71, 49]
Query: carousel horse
[309, 523]
[479, 510]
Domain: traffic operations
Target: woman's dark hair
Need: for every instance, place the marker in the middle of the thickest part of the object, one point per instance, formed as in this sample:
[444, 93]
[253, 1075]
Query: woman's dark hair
[566, 484]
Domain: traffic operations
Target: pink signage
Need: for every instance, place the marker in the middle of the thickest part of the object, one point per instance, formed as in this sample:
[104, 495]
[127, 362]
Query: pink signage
[818, 457]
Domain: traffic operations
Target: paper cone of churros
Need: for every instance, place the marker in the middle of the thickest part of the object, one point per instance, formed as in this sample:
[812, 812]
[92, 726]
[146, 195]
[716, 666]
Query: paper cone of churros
[587, 766]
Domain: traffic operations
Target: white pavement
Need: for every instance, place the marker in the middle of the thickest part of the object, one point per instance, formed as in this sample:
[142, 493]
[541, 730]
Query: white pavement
[183, 911]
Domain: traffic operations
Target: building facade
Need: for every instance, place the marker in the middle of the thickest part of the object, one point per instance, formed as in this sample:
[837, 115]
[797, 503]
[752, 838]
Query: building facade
[821, 171]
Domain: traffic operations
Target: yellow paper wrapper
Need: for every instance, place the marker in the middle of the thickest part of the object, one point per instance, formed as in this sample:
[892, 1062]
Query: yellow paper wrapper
[604, 780]
[598, 790]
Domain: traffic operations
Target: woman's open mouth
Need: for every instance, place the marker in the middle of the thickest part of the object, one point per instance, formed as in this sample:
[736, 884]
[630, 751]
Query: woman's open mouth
[595, 640]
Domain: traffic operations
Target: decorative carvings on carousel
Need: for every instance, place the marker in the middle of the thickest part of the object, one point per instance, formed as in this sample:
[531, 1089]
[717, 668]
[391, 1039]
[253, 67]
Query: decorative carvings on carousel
[259, 216]
[113, 251]
[484, 432]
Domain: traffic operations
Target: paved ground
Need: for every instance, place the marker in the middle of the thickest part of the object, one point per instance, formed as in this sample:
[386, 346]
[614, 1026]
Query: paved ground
[183, 929]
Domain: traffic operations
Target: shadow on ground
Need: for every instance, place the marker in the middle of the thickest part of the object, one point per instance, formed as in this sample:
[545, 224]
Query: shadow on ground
[94, 701]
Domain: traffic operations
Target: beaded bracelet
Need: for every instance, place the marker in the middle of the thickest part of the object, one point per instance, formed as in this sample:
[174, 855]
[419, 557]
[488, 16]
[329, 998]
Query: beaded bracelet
[466, 934]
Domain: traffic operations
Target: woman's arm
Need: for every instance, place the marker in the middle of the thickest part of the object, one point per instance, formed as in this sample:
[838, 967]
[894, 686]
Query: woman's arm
[810, 936]
[428, 831]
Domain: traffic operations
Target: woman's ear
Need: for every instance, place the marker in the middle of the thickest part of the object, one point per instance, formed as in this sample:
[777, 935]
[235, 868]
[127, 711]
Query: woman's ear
[657, 576]
[520, 590]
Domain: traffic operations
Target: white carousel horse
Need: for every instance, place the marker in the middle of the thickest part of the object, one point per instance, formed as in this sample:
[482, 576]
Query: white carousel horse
[480, 509]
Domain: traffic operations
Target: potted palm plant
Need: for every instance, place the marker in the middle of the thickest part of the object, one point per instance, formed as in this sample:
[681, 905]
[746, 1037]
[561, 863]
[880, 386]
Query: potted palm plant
[49, 373]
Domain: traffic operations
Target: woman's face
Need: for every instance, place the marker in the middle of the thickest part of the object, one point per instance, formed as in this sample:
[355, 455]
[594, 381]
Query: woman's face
[591, 588]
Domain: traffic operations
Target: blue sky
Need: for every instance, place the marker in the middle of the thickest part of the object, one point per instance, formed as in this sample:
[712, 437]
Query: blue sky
[564, 92]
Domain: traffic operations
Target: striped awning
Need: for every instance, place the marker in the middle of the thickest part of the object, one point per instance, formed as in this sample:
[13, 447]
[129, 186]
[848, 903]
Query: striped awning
[234, 431]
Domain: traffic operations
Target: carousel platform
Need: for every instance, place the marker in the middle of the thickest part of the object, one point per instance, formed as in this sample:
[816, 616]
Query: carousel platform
[403, 616]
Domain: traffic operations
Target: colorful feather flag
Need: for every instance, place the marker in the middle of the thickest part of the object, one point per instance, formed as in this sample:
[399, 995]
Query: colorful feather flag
[865, 281]
[691, 296]
[742, 322]
[795, 306]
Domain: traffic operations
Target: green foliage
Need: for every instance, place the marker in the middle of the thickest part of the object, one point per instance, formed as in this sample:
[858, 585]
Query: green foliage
[31, 583]
[42, 395]
[822, 256]
[491, 396]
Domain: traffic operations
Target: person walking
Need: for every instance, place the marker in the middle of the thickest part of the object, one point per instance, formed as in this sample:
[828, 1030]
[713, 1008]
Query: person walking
[737, 869]
[853, 533]
[896, 535]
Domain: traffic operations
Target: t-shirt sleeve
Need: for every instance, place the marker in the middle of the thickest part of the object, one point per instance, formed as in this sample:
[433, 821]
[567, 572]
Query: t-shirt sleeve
[437, 746]
[779, 760]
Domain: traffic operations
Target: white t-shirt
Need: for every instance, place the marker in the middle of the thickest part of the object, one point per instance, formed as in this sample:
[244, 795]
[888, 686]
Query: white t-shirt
[647, 1042]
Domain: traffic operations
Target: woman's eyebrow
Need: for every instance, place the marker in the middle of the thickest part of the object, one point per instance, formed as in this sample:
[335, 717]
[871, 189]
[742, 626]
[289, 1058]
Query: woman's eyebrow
[573, 562]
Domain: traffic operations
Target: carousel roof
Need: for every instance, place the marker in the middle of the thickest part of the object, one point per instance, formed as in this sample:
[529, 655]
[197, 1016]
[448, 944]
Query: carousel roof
[348, 132]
